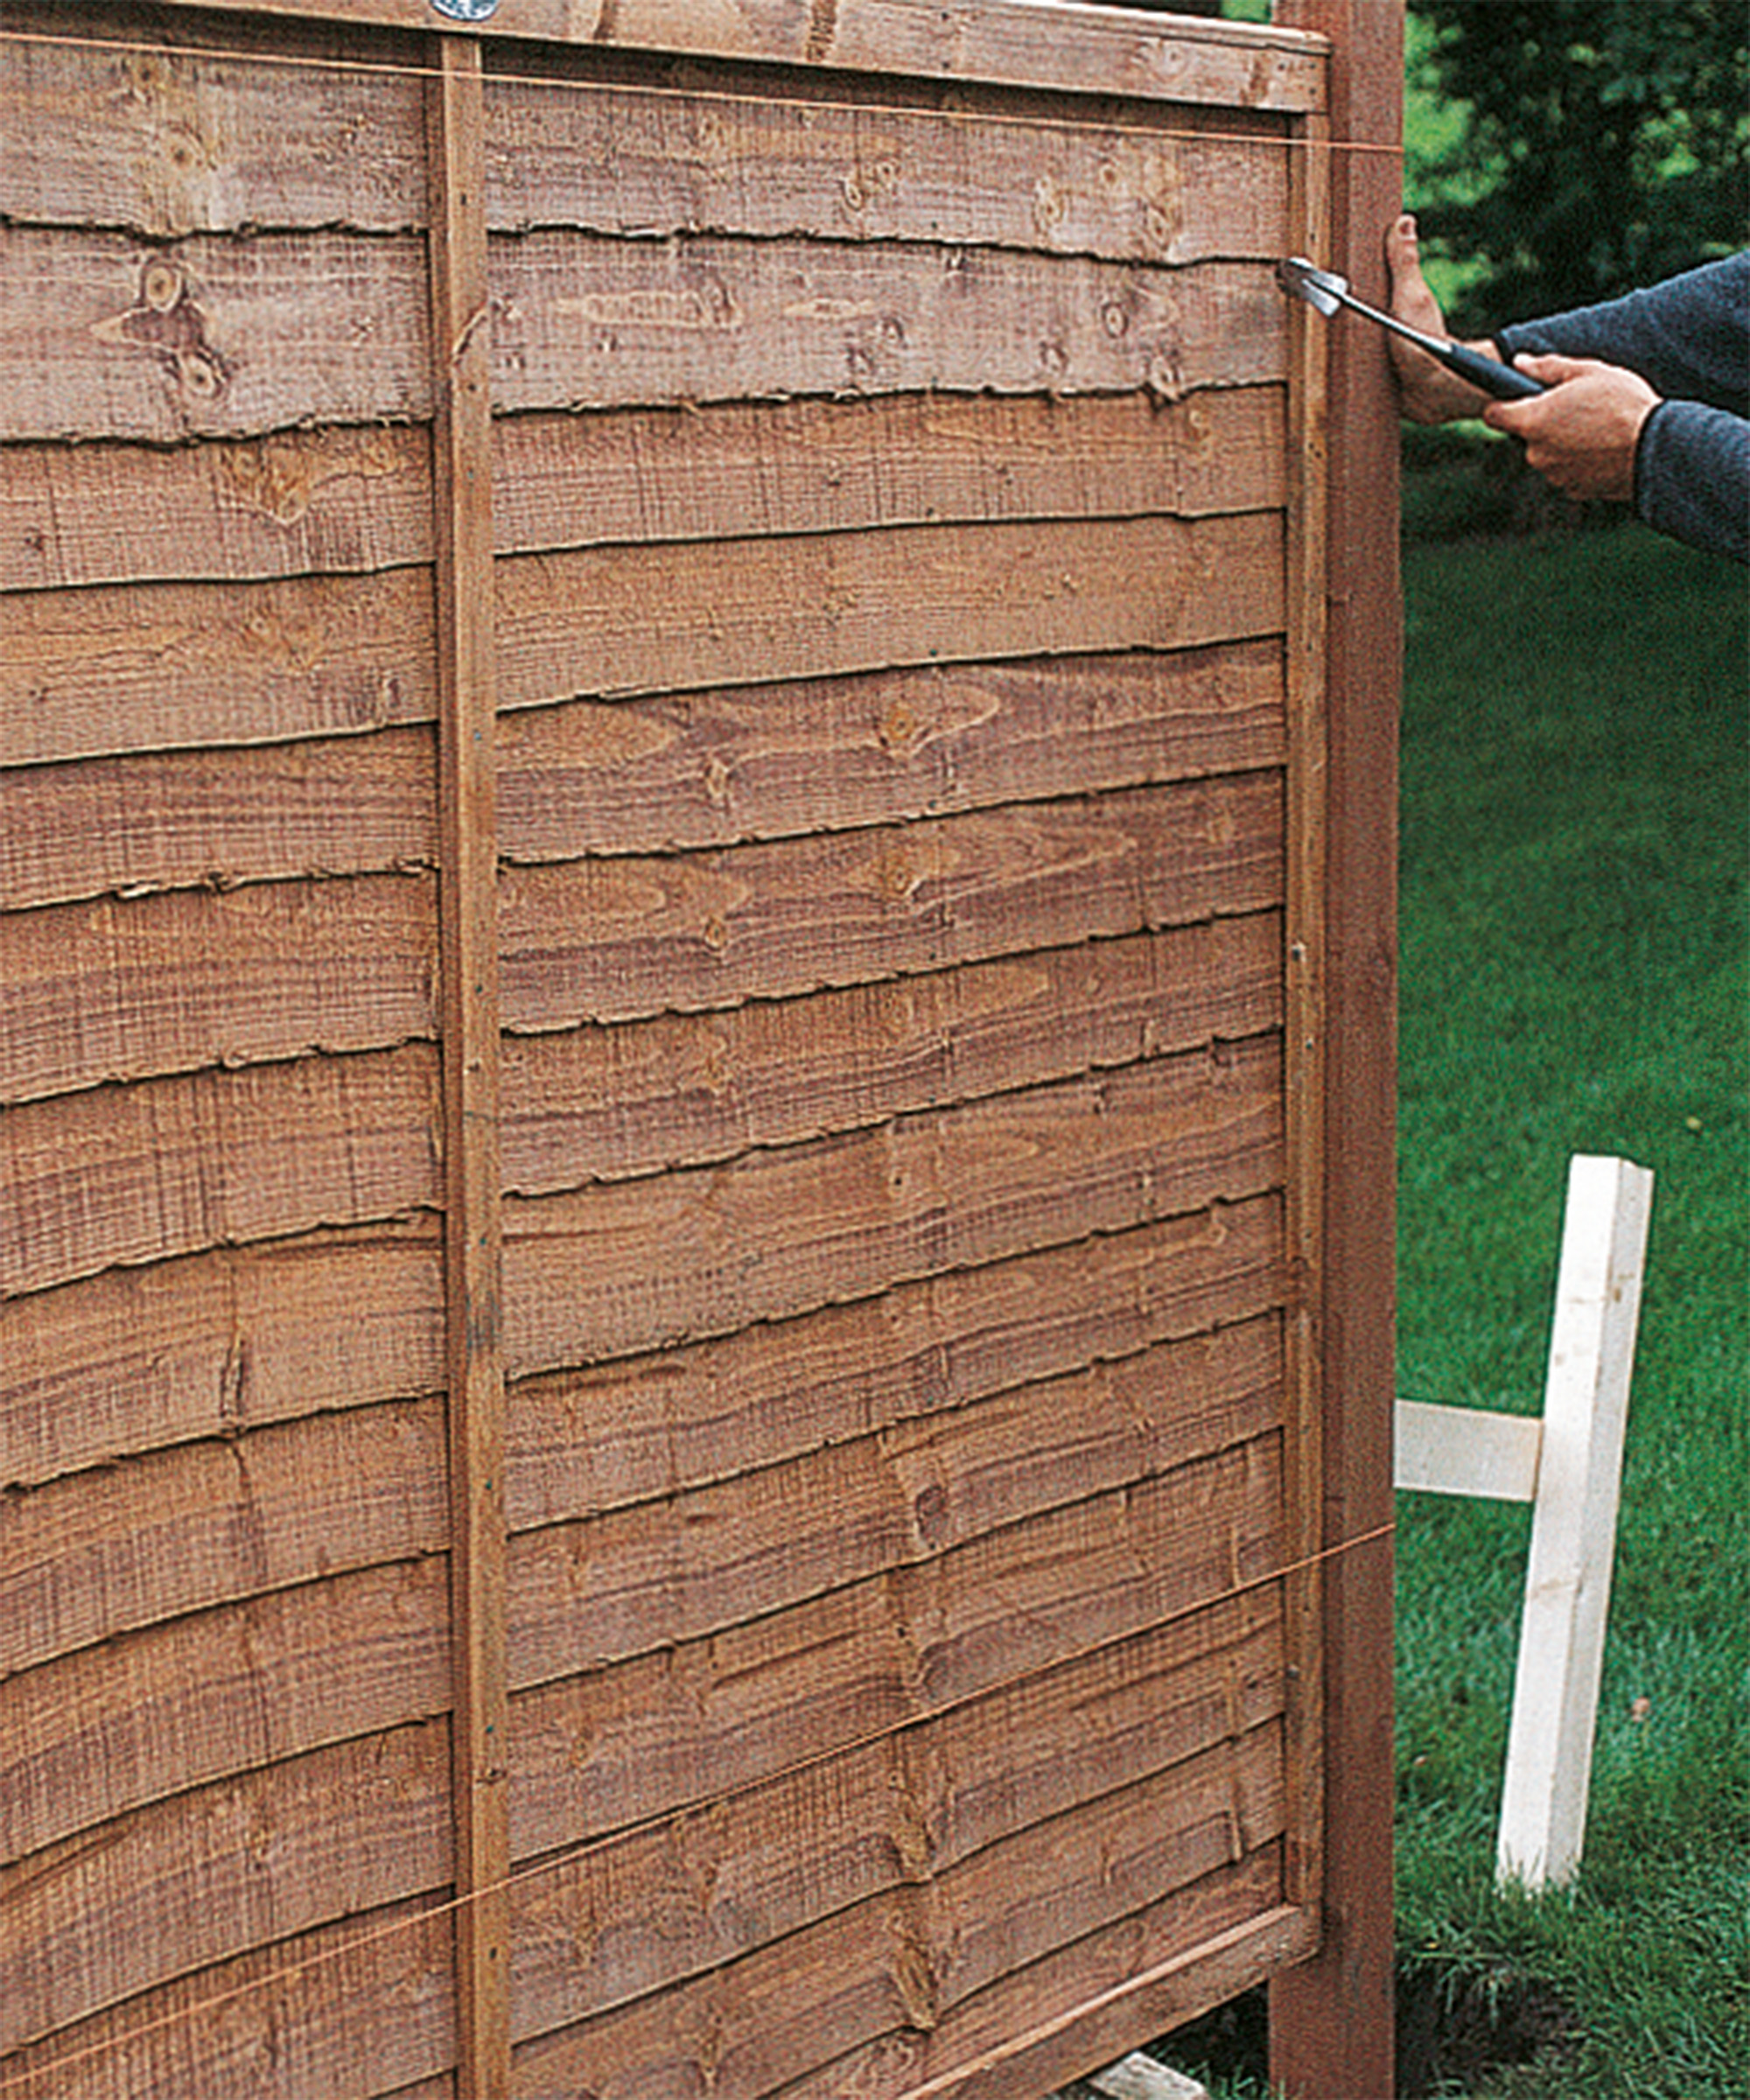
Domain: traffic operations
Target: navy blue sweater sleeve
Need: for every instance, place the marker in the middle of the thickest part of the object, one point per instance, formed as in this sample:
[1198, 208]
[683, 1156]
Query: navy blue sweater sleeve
[1690, 340]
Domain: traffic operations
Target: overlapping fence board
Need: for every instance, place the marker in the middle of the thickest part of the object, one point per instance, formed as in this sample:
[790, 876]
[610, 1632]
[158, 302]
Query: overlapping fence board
[193, 978]
[687, 1417]
[691, 680]
[298, 2016]
[151, 821]
[133, 1360]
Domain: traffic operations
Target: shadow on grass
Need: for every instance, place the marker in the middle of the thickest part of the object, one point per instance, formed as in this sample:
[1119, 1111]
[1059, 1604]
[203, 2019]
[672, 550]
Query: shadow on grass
[1459, 2023]
[1461, 481]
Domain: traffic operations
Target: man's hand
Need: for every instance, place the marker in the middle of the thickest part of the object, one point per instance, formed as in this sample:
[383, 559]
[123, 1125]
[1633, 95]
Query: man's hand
[1430, 393]
[1581, 435]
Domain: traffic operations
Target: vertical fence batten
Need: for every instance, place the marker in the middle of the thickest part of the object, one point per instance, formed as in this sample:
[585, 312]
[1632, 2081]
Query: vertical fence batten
[472, 1185]
[1304, 1025]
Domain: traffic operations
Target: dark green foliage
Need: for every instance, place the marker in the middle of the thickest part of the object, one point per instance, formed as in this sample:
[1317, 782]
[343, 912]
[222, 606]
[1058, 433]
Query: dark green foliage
[1607, 145]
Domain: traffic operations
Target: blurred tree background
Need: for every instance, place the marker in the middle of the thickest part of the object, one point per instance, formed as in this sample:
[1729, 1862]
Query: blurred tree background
[1561, 152]
[1557, 152]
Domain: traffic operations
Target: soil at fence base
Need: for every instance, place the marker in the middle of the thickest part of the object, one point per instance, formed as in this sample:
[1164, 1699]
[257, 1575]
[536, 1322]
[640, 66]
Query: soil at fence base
[1454, 2025]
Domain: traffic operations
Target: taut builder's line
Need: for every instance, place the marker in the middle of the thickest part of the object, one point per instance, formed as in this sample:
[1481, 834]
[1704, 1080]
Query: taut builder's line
[21, 2082]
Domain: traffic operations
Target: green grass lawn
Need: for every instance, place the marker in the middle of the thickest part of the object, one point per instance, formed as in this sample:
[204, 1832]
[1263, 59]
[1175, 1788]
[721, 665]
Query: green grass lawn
[1576, 966]
[1575, 972]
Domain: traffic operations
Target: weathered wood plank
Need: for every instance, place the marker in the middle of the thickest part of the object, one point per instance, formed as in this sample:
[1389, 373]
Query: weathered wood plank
[641, 775]
[976, 1614]
[605, 1103]
[125, 1175]
[106, 1729]
[113, 669]
[747, 611]
[614, 1586]
[1057, 1882]
[612, 940]
[586, 320]
[1022, 44]
[209, 336]
[215, 1344]
[302, 502]
[730, 470]
[152, 127]
[648, 1739]
[129, 989]
[166, 142]
[84, 1559]
[1007, 41]
[217, 337]
[213, 1873]
[788, 2018]
[298, 2016]
[342, 500]
[626, 161]
[121, 669]
[627, 1267]
[734, 470]
[1197, 1949]
[215, 819]
[625, 1433]
[762, 761]
[647, 1913]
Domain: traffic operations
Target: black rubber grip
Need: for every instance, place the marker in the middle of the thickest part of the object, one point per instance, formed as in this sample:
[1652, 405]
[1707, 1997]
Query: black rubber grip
[1502, 381]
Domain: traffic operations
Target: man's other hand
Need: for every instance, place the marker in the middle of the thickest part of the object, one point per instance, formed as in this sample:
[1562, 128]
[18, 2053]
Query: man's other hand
[1428, 391]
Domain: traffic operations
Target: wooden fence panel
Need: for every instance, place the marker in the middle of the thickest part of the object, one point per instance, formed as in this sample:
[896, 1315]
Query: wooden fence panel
[660, 786]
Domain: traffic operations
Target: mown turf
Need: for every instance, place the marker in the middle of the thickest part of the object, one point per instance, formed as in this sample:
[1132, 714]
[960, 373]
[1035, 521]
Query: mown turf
[1575, 975]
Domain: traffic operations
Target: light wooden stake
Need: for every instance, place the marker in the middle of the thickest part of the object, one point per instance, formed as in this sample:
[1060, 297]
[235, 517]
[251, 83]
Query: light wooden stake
[1573, 1526]
[1568, 1465]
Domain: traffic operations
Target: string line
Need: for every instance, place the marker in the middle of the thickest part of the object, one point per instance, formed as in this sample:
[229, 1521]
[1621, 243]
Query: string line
[570, 1855]
[413, 70]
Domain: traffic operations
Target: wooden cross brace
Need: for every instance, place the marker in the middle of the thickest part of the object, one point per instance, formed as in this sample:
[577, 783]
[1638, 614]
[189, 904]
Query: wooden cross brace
[1568, 1465]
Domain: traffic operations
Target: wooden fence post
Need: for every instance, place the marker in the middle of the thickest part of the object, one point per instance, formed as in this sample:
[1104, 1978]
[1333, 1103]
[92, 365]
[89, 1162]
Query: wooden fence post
[1331, 2019]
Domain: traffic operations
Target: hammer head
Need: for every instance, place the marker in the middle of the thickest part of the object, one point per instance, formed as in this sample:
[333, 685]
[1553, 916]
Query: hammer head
[1322, 289]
